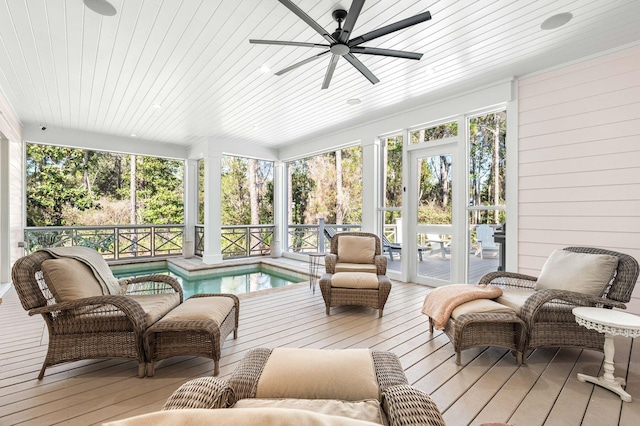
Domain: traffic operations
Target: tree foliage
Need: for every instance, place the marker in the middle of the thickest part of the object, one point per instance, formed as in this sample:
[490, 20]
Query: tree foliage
[322, 188]
[247, 191]
[67, 187]
[54, 182]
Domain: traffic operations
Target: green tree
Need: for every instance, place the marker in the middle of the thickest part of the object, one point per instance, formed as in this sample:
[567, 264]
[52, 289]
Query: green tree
[55, 182]
[160, 190]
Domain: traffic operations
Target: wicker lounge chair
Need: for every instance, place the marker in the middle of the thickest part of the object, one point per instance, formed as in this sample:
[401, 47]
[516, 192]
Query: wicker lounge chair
[100, 326]
[547, 313]
[401, 403]
[373, 296]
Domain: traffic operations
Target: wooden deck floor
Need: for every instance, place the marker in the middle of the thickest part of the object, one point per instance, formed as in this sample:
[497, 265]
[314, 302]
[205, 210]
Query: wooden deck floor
[488, 387]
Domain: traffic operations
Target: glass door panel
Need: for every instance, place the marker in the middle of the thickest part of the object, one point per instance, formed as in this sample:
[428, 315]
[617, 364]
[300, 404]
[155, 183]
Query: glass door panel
[434, 217]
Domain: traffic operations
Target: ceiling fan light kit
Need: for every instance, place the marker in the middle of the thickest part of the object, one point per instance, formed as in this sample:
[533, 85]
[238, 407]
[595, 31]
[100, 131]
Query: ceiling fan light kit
[341, 45]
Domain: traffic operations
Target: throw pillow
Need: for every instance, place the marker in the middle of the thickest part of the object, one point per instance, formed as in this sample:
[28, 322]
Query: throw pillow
[585, 273]
[354, 249]
[69, 279]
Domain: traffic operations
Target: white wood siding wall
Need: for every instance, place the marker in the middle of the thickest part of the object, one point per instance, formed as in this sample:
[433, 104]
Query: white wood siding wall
[579, 159]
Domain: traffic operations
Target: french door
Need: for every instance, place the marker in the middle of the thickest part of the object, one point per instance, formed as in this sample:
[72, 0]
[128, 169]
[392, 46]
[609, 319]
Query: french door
[436, 230]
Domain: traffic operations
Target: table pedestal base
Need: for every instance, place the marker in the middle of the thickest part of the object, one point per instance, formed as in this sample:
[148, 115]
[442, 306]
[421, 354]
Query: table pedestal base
[614, 386]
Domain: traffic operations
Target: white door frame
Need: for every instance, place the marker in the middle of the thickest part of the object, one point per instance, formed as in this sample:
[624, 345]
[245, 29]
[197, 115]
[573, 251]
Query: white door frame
[455, 148]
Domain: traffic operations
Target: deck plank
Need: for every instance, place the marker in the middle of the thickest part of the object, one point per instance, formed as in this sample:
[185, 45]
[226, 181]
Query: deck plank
[488, 386]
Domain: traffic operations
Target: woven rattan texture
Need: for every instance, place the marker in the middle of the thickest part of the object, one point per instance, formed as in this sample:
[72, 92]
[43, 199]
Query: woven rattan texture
[204, 338]
[244, 380]
[109, 326]
[372, 298]
[402, 404]
[547, 313]
[204, 392]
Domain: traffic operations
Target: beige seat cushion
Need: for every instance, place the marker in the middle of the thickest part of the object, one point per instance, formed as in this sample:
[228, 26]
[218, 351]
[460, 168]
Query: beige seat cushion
[356, 267]
[346, 374]
[69, 279]
[580, 272]
[156, 306]
[354, 280]
[514, 298]
[368, 410]
[481, 306]
[354, 249]
[235, 417]
[202, 308]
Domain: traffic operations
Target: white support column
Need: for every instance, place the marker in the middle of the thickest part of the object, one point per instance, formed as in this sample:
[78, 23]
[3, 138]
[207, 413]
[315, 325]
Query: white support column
[190, 206]
[279, 209]
[5, 231]
[370, 184]
[212, 208]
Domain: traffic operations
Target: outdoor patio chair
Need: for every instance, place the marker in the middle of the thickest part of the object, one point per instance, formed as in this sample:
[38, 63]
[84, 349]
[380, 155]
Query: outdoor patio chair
[484, 237]
[574, 276]
[436, 243]
[305, 386]
[355, 272]
[84, 320]
[390, 248]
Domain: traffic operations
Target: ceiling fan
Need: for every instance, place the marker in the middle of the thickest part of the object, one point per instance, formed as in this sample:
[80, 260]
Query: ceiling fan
[342, 45]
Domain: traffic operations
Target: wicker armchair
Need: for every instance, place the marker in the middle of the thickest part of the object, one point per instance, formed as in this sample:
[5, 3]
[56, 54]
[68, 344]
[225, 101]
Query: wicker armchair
[401, 403]
[547, 313]
[109, 326]
[339, 296]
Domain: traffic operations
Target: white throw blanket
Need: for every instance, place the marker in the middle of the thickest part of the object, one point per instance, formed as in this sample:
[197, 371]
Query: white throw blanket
[93, 260]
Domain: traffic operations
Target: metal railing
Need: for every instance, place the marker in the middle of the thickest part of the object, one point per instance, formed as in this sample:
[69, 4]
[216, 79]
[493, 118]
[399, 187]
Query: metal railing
[239, 240]
[314, 238]
[113, 242]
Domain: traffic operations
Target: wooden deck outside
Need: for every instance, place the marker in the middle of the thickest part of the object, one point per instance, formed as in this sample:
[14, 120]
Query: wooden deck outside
[488, 387]
[434, 266]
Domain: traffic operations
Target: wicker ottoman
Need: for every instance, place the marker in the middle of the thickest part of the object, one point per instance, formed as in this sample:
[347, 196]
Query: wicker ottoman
[486, 329]
[196, 327]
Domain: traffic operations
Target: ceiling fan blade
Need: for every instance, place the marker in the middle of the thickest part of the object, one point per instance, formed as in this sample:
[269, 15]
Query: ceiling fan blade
[350, 22]
[289, 43]
[297, 64]
[386, 52]
[306, 18]
[405, 23]
[360, 67]
[330, 70]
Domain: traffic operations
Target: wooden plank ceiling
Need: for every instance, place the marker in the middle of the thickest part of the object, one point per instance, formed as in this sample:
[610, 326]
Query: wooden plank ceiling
[178, 71]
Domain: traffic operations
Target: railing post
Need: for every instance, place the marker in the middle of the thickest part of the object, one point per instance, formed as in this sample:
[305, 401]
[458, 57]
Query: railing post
[153, 241]
[321, 235]
[247, 236]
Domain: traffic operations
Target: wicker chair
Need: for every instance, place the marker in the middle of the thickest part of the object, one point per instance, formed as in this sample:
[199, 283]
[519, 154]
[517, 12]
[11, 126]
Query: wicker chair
[547, 313]
[402, 404]
[339, 296]
[109, 326]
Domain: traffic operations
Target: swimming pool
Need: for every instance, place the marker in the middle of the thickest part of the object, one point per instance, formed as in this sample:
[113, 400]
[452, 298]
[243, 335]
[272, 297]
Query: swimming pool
[234, 280]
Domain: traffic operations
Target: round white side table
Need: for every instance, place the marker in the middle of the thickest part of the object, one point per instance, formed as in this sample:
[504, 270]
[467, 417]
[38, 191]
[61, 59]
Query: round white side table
[611, 323]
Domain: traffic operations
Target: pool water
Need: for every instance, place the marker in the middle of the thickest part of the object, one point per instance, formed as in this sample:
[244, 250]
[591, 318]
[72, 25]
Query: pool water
[222, 280]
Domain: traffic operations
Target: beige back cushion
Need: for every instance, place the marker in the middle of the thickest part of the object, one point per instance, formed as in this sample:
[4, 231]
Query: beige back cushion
[354, 249]
[580, 272]
[346, 374]
[69, 279]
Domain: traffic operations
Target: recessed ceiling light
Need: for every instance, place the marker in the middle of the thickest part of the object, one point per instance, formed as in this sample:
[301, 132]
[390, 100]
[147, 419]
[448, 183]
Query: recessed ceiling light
[265, 69]
[353, 101]
[134, 135]
[156, 106]
[556, 21]
[429, 71]
[101, 7]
